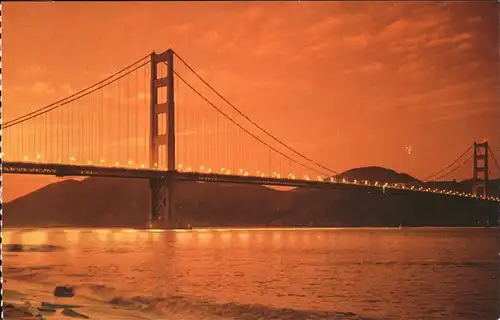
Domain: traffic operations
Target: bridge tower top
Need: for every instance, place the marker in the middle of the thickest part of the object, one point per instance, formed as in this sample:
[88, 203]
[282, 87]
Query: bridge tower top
[480, 169]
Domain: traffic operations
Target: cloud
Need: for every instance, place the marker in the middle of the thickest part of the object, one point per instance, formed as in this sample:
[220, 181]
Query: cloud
[317, 47]
[473, 20]
[370, 68]
[254, 12]
[265, 84]
[67, 89]
[460, 109]
[37, 87]
[453, 40]
[30, 72]
[466, 46]
[268, 48]
[445, 97]
[180, 28]
[395, 29]
[212, 36]
[42, 87]
[425, 28]
[321, 26]
[413, 69]
[361, 40]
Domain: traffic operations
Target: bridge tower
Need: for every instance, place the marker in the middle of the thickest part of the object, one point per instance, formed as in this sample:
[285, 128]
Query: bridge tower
[480, 169]
[162, 143]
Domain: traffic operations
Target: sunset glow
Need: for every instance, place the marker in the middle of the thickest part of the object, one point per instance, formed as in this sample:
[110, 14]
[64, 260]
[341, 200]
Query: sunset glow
[343, 85]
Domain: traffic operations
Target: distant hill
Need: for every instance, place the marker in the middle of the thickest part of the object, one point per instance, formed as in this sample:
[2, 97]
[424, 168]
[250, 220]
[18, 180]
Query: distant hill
[125, 202]
[377, 174]
[107, 202]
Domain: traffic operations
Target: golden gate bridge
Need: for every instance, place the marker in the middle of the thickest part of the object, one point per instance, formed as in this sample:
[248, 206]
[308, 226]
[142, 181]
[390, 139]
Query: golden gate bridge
[149, 121]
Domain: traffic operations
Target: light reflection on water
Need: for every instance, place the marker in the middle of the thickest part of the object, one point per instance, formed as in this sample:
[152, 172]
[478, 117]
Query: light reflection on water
[399, 274]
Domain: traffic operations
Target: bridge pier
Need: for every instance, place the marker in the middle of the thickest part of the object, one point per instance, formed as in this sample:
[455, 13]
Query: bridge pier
[162, 206]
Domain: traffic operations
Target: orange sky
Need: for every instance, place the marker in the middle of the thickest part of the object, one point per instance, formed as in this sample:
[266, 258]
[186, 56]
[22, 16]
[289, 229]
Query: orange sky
[348, 84]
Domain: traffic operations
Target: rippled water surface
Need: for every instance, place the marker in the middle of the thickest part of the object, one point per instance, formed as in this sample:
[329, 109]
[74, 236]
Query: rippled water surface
[280, 274]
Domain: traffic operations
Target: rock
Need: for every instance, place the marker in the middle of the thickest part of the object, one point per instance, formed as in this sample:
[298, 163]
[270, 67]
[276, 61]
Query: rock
[46, 309]
[11, 311]
[14, 247]
[34, 311]
[65, 292]
[14, 313]
[74, 314]
[58, 305]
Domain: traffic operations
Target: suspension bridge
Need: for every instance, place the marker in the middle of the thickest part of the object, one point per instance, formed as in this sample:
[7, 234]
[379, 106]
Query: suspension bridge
[150, 121]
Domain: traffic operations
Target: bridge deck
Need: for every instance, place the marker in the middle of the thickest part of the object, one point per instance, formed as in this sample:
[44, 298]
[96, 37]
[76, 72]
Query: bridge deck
[62, 170]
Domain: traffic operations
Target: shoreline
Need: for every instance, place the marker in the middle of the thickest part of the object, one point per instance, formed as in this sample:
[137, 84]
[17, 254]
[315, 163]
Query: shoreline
[24, 300]
[130, 229]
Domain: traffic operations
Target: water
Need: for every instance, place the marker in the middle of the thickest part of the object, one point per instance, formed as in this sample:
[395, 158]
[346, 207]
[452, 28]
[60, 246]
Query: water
[420, 273]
